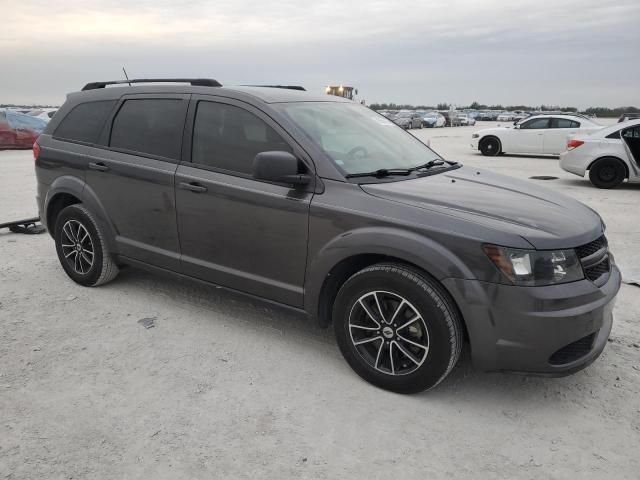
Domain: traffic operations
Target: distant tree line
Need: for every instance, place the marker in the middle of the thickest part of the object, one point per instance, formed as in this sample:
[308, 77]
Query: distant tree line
[598, 111]
[32, 107]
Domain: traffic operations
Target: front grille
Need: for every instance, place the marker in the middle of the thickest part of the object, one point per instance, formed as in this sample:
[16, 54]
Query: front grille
[595, 269]
[573, 351]
[595, 272]
[591, 247]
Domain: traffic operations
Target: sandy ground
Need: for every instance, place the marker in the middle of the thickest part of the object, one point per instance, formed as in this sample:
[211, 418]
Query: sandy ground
[223, 387]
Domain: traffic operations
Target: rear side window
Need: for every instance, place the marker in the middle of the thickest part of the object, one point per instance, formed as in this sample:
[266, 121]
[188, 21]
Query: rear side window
[151, 126]
[631, 133]
[564, 123]
[229, 137]
[84, 122]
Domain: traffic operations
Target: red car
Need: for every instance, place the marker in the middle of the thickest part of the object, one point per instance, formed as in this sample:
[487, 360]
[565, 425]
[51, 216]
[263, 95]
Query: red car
[18, 130]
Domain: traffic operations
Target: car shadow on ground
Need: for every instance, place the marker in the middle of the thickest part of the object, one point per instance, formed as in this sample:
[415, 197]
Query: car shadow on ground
[584, 182]
[246, 312]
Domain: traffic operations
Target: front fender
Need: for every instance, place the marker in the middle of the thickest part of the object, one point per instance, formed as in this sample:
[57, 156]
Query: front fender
[410, 247]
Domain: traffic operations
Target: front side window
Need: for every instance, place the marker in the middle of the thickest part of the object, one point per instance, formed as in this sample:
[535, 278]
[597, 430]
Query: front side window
[355, 138]
[228, 137]
[84, 122]
[535, 124]
[151, 126]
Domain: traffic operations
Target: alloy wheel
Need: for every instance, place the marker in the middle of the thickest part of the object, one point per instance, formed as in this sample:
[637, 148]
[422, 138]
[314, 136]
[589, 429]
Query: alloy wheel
[77, 247]
[389, 333]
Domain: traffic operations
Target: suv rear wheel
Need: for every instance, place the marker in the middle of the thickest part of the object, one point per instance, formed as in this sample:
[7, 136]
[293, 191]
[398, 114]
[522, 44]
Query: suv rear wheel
[81, 248]
[397, 328]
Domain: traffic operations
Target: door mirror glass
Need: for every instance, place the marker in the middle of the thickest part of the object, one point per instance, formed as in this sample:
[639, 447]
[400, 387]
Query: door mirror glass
[279, 167]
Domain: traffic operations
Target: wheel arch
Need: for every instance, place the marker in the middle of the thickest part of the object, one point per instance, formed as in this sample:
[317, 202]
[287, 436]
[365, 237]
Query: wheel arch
[350, 253]
[488, 136]
[610, 157]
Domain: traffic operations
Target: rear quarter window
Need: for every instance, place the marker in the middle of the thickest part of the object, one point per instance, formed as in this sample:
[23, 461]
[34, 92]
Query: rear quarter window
[84, 122]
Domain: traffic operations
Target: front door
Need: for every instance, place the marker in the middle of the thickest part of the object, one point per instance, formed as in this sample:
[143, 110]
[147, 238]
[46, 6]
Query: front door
[529, 137]
[235, 231]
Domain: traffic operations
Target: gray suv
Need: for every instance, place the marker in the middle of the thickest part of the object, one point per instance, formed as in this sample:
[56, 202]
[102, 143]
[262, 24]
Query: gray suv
[324, 206]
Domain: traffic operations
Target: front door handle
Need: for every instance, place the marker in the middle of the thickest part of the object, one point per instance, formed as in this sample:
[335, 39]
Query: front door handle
[192, 187]
[101, 167]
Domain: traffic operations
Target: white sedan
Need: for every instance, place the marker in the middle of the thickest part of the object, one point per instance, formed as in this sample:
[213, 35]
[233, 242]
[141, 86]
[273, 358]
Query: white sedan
[540, 134]
[610, 155]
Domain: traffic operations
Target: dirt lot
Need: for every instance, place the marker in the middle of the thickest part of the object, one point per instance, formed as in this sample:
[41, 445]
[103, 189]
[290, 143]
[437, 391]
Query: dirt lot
[223, 387]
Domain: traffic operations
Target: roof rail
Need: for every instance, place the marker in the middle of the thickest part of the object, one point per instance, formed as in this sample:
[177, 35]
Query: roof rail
[288, 87]
[199, 82]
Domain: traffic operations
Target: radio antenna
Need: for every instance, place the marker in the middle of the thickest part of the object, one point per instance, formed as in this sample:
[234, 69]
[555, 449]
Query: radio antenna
[126, 76]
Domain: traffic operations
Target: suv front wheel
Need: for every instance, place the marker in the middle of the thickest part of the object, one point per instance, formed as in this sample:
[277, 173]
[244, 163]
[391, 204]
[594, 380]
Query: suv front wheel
[397, 328]
[81, 248]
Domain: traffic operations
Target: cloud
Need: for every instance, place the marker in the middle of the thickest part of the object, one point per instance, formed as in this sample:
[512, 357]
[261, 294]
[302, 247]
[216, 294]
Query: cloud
[520, 51]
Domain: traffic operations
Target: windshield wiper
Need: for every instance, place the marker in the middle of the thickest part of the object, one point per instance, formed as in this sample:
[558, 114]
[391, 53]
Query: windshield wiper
[430, 164]
[382, 172]
[386, 172]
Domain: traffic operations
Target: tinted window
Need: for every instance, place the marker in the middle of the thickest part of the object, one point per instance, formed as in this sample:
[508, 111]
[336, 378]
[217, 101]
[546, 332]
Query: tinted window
[536, 123]
[631, 133]
[229, 137]
[564, 123]
[84, 122]
[152, 126]
[615, 134]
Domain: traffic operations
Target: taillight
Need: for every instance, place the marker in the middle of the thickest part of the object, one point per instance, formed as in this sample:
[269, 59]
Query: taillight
[36, 150]
[574, 144]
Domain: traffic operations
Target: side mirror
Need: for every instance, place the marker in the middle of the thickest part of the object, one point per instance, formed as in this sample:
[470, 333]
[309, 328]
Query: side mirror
[516, 126]
[279, 167]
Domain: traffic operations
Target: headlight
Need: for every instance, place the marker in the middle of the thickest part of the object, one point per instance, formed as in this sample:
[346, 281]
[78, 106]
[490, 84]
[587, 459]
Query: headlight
[475, 135]
[536, 267]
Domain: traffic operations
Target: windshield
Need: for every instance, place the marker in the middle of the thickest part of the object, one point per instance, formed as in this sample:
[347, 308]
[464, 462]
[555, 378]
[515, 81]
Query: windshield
[356, 138]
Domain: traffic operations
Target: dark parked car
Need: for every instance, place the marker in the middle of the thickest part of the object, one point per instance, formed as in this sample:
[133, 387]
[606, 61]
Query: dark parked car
[321, 205]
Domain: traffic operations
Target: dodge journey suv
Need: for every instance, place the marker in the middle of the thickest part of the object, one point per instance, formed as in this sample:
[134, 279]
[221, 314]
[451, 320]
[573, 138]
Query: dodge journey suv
[324, 206]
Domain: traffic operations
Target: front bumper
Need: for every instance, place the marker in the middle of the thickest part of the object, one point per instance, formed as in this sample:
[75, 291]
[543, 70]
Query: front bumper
[520, 328]
[474, 143]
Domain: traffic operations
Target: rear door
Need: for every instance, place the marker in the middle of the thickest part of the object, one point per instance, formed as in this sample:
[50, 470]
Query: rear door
[132, 174]
[631, 140]
[556, 137]
[236, 231]
[529, 137]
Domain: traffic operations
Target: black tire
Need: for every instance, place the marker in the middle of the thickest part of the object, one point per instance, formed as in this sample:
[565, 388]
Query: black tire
[607, 173]
[76, 234]
[490, 146]
[438, 328]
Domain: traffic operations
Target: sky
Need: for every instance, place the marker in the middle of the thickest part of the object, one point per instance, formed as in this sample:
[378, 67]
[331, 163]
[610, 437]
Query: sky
[565, 52]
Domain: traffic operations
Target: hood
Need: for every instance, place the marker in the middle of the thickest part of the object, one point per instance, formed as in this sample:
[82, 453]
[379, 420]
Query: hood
[545, 219]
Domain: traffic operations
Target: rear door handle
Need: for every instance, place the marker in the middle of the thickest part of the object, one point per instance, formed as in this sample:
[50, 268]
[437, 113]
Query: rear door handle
[101, 167]
[192, 187]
